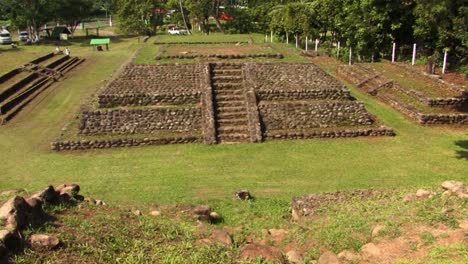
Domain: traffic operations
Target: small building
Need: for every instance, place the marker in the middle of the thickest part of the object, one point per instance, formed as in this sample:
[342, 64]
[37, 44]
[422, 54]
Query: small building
[59, 31]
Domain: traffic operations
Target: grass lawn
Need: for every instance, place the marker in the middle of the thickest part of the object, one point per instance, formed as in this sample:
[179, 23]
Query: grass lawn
[278, 169]
[148, 52]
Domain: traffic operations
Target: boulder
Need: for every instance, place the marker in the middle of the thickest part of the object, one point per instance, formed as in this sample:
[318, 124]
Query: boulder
[71, 189]
[294, 257]
[155, 213]
[90, 200]
[202, 210]
[222, 237]
[348, 256]
[15, 213]
[268, 253]
[277, 235]
[454, 186]
[423, 194]
[5, 235]
[100, 202]
[328, 257]
[370, 250]
[47, 195]
[377, 230]
[202, 213]
[44, 242]
[136, 212]
[214, 216]
[243, 195]
[408, 198]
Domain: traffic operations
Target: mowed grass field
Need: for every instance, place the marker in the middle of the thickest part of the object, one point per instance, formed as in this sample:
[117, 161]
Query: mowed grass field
[275, 170]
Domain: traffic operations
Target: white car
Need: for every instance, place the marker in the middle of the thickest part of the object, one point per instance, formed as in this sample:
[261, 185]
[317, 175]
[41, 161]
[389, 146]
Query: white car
[5, 37]
[177, 31]
[23, 35]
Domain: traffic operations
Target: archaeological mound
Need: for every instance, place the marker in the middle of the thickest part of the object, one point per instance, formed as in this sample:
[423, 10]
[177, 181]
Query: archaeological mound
[216, 103]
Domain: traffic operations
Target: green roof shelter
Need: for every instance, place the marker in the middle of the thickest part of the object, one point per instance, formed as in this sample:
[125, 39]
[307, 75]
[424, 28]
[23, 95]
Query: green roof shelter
[100, 42]
[58, 31]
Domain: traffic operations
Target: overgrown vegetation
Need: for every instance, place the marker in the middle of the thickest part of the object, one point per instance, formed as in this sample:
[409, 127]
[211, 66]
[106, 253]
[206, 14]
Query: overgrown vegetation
[106, 234]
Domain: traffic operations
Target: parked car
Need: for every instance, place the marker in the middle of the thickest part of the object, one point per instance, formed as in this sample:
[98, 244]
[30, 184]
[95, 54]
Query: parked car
[23, 35]
[177, 31]
[5, 37]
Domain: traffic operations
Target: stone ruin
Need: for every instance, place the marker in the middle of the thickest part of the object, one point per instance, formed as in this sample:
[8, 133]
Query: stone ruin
[220, 103]
[449, 110]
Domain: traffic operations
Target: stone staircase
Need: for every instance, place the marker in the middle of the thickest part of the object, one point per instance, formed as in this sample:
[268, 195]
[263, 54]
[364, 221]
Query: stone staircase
[229, 103]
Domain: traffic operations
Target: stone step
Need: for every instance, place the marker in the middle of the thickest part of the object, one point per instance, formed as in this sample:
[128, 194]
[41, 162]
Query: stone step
[227, 78]
[227, 67]
[221, 86]
[223, 130]
[227, 71]
[233, 122]
[229, 97]
[233, 138]
[231, 109]
[229, 92]
[230, 103]
[232, 115]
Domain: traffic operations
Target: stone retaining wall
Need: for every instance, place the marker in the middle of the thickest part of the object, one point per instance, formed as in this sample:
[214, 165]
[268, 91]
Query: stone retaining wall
[140, 121]
[124, 142]
[108, 101]
[433, 102]
[154, 85]
[306, 115]
[292, 95]
[426, 119]
[201, 42]
[221, 56]
[338, 133]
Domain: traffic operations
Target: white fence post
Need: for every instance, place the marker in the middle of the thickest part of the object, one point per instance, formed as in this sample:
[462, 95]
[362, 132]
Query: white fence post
[297, 41]
[338, 50]
[413, 61]
[287, 38]
[316, 44]
[350, 55]
[271, 36]
[444, 66]
[393, 52]
[307, 43]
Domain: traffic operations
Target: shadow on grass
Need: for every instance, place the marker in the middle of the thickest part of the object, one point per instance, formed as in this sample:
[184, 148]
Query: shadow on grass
[462, 154]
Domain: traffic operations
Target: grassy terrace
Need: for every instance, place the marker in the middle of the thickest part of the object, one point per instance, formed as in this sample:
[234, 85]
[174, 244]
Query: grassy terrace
[430, 88]
[148, 53]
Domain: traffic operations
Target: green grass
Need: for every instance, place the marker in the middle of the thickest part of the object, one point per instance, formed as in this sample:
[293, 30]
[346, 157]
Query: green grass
[148, 52]
[108, 234]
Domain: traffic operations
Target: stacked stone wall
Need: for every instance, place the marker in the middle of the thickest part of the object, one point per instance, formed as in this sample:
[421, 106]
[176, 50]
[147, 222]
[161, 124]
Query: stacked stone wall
[306, 115]
[142, 85]
[140, 121]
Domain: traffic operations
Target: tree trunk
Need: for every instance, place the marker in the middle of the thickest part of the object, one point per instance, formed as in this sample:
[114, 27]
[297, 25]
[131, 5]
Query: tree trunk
[216, 17]
[183, 17]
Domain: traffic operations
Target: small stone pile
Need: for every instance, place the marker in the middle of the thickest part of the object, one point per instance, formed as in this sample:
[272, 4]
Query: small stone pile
[18, 213]
[452, 188]
[307, 205]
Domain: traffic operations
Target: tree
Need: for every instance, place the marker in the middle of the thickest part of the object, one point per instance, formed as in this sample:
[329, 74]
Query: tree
[137, 16]
[442, 25]
[28, 13]
[71, 12]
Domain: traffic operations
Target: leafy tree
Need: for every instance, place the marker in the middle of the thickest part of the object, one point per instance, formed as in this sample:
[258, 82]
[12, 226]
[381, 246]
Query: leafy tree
[138, 16]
